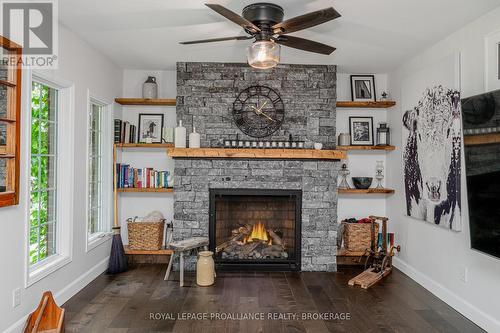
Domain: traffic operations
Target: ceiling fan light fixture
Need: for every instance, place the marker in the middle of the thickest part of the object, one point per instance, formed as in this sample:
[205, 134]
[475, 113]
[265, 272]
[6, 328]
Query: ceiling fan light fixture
[263, 54]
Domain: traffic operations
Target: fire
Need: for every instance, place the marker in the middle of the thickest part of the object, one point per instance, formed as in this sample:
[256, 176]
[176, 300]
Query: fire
[259, 232]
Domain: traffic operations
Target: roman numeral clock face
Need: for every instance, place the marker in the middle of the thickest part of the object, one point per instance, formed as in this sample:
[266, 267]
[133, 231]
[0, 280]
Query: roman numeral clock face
[258, 111]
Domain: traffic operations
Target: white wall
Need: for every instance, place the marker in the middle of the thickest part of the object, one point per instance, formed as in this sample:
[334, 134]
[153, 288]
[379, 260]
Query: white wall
[360, 163]
[139, 204]
[87, 69]
[433, 256]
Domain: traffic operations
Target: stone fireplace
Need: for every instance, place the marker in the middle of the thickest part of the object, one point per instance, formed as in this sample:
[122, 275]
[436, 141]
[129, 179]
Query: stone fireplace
[294, 198]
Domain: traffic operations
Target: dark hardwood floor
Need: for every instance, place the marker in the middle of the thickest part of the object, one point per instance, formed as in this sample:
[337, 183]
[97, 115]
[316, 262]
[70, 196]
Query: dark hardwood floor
[126, 302]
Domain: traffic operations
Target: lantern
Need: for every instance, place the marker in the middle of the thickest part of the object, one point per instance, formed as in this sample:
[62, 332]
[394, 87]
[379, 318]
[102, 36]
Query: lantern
[383, 135]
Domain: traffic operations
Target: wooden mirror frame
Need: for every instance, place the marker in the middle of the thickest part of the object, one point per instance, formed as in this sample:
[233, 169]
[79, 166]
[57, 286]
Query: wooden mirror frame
[11, 151]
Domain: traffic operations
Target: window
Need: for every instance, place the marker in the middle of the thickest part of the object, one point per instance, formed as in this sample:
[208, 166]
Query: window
[50, 174]
[95, 200]
[43, 173]
[10, 129]
[98, 172]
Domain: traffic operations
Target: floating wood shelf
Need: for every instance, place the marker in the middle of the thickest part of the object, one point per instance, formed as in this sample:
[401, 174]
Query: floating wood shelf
[144, 145]
[367, 191]
[158, 252]
[256, 153]
[143, 101]
[366, 105]
[366, 148]
[7, 120]
[482, 139]
[151, 190]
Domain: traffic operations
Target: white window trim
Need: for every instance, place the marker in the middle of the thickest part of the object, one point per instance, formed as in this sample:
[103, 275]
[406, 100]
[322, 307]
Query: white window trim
[65, 175]
[98, 238]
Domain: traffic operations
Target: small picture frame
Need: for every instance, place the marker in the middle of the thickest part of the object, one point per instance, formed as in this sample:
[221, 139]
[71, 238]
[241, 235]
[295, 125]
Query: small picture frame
[361, 131]
[363, 88]
[150, 128]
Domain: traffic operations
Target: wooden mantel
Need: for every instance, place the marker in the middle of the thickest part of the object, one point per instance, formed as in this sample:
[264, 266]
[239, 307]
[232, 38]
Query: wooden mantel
[257, 153]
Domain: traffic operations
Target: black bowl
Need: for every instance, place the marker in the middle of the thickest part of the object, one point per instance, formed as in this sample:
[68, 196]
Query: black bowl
[362, 183]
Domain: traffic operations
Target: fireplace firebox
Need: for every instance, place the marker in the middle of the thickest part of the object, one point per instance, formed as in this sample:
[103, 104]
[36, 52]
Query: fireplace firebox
[256, 229]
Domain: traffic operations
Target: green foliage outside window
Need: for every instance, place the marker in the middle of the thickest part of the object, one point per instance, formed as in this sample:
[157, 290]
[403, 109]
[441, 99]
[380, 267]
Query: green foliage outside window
[42, 173]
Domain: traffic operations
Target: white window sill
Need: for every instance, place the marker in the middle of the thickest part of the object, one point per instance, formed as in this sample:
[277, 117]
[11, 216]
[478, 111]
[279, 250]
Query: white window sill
[97, 239]
[46, 267]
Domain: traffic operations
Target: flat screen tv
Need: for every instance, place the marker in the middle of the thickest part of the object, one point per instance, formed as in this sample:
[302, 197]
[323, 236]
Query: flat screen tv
[481, 122]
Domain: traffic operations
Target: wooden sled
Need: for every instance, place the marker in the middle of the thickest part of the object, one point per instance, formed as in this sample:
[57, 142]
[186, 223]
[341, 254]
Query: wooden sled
[369, 277]
[47, 318]
[378, 262]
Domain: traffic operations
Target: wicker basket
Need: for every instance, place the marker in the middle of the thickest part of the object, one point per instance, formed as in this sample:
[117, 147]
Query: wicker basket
[145, 235]
[357, 236]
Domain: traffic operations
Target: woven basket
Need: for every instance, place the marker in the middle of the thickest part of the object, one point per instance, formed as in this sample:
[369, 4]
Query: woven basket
[357, 236]
[145, 235]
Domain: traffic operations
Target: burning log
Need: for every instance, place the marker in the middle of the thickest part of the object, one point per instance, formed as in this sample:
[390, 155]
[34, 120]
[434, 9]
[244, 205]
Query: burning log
[241, 232]
[276, 239]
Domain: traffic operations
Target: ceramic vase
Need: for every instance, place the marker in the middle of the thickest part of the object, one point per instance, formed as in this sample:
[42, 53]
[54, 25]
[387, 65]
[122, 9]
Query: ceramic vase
[194, 139]
[180, 136]
[150, 88]
[205, 269]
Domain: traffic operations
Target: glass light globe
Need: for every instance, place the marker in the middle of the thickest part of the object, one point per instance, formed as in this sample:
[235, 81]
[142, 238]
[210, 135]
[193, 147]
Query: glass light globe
[263, 54]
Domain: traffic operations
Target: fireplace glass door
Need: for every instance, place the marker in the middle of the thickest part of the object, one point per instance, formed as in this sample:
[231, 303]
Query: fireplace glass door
[255, 228]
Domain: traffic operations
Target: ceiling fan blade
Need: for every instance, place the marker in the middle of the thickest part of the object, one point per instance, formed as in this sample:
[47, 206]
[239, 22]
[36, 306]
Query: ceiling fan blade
[216, 40]
[305, 21]
[304, 44]
[232, 16]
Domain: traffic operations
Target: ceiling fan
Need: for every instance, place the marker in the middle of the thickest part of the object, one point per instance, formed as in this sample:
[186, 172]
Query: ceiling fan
[264, 22]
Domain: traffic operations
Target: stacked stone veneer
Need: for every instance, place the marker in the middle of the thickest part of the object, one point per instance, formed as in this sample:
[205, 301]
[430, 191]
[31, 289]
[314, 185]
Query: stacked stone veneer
[317, 179]
[205, 96]
[206, 93]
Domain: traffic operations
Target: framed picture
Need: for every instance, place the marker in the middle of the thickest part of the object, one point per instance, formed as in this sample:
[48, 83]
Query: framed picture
[150, 127]
[492, 61]
[361, 131]
[363, 88]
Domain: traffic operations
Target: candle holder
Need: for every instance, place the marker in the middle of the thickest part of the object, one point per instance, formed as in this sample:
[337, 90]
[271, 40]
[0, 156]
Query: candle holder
[379, 168]
[344, 172]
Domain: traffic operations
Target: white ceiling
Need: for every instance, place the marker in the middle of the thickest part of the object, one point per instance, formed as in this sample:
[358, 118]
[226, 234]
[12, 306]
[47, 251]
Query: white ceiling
[371, 35]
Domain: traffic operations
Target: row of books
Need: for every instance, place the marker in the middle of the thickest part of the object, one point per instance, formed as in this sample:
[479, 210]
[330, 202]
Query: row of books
[128, 176]
[390, 240]
[125, 132]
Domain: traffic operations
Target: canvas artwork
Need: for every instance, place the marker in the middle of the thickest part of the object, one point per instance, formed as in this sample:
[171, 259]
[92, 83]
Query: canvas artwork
[432, 134]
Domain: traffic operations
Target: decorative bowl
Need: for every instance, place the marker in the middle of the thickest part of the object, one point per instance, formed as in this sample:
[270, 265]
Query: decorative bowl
[362, 183]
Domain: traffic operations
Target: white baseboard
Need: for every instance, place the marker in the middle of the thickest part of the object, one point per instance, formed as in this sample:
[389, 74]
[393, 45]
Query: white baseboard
[483, 320]
[67, 292]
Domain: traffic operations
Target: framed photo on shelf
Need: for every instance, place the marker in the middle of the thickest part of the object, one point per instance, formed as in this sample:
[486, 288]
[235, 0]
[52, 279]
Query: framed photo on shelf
[361, 131]
[363, 88]
[150, 127]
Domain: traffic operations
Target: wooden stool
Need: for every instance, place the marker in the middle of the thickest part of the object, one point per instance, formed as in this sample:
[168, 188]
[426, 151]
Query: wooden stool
[179, 247]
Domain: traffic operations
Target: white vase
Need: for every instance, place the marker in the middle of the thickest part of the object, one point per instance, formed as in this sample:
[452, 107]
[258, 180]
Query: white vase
[180, 136]
[194, 139]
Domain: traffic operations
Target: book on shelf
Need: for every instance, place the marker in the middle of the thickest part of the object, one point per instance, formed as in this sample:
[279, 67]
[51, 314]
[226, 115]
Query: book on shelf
[125, 132]
[118, 131]
[129, 177]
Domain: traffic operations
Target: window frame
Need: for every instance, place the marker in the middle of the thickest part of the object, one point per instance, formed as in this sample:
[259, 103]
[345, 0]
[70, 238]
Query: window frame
[65, 174]
[13, 120]
[104, 234]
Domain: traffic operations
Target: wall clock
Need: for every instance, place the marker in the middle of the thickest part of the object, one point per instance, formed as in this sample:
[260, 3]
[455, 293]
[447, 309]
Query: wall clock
[258, 111]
